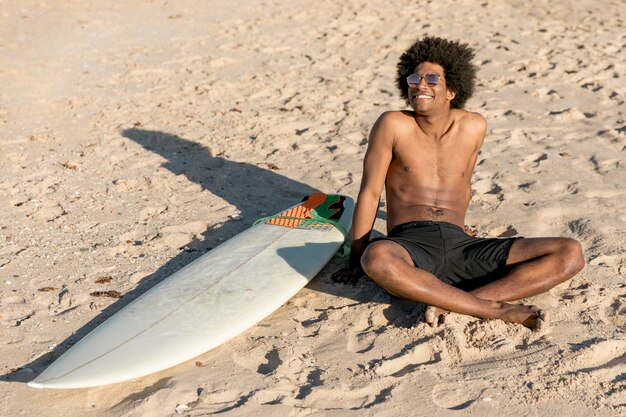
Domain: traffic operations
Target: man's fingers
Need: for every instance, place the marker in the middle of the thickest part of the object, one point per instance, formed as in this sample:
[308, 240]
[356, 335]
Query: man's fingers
[345, 276]
[338, 277]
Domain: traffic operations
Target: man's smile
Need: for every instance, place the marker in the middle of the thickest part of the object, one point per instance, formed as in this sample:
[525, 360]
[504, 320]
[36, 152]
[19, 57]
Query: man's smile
[423, 96]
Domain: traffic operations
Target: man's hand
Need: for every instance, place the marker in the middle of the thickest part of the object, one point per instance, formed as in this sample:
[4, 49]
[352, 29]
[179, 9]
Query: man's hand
[347, 276]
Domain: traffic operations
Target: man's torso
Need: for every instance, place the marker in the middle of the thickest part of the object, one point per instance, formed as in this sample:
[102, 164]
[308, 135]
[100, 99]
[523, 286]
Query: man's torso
[429, 179]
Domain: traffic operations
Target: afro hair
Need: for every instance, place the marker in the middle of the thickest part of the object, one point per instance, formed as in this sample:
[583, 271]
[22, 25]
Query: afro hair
[454, 57]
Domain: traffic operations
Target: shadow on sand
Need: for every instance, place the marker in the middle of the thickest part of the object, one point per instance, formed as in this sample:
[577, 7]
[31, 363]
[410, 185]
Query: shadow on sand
[255, 192]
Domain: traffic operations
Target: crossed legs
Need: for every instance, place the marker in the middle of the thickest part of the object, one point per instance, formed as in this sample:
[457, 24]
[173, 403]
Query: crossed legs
[537, 265]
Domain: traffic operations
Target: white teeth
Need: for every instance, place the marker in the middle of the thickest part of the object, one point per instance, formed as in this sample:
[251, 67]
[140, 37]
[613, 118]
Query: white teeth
[424, 96]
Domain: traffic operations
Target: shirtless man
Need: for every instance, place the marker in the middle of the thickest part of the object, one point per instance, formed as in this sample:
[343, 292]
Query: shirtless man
[425, 158]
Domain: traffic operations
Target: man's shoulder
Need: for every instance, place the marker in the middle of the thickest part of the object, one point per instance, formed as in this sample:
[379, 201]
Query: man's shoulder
[395, 119]
[472, 127]
[390, 126]
[396, 116]
[470, 120]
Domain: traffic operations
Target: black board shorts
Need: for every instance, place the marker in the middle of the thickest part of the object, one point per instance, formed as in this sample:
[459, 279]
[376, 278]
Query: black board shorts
[446, 251]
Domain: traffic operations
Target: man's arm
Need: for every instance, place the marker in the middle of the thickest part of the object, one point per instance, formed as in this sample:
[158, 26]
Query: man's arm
[375, 165]
[476, 128]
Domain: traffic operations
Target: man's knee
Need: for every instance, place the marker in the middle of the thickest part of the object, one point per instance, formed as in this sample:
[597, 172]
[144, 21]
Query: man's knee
[377, 259]
[571, 253]
[373, 257]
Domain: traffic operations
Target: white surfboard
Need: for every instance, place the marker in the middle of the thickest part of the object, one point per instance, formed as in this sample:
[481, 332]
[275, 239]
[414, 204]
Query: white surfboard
[209, 301]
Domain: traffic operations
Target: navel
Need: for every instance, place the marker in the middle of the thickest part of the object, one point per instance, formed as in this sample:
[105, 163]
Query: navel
[436, 211]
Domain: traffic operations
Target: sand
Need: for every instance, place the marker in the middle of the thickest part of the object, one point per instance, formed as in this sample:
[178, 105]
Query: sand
[136, 136]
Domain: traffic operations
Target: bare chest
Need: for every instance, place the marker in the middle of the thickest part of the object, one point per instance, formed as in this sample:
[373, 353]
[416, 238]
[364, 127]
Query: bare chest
[448, 160]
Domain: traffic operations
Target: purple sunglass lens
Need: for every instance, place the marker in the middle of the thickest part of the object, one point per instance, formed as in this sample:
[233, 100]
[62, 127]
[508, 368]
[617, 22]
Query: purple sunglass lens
[415, 79]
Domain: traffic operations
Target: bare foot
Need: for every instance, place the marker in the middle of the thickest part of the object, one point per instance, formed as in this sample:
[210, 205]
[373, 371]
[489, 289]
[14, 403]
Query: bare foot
[538, 321]
[435, 316]
[530, 316]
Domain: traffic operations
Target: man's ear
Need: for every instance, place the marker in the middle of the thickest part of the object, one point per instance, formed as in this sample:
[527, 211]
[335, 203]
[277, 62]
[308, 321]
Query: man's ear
[450, 95]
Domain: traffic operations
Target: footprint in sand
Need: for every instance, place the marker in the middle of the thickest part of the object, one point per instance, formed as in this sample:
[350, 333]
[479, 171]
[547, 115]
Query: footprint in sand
[364, 341]
[312, 321]
[572, 188]
[606, 360]
[331, 398]
[547, 94]
[408, 359]
[262, 359]
[273, 362]
[532, 161]
[216, 402]
[15, 310]
[607, 260]
[488, 194]
[579, 226]
[569, 115]
[617, 310]
[603, 166]
[458, 395]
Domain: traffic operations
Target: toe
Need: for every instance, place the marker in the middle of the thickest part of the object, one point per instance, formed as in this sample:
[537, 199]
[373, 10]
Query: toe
[542, 319]
[430, 316]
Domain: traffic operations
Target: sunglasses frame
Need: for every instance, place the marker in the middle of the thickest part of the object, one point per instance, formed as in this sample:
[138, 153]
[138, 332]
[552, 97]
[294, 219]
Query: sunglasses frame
[433, 77]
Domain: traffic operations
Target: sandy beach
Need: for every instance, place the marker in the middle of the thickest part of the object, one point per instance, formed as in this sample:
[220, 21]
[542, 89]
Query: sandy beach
[137, 136]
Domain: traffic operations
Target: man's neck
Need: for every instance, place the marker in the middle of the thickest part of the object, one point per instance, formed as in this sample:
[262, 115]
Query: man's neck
[434, 125]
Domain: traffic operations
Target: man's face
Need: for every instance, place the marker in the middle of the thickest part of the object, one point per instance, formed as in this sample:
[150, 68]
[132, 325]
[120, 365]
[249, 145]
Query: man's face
[426, 97]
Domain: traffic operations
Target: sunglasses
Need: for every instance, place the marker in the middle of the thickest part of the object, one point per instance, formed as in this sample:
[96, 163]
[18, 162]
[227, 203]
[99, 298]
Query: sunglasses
[414, 79]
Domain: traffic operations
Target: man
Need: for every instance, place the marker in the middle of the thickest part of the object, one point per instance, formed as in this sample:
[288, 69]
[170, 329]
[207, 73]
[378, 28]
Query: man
[425, 158]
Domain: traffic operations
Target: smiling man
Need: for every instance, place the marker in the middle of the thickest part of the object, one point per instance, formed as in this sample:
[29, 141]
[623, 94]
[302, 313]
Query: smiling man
[424, 159]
